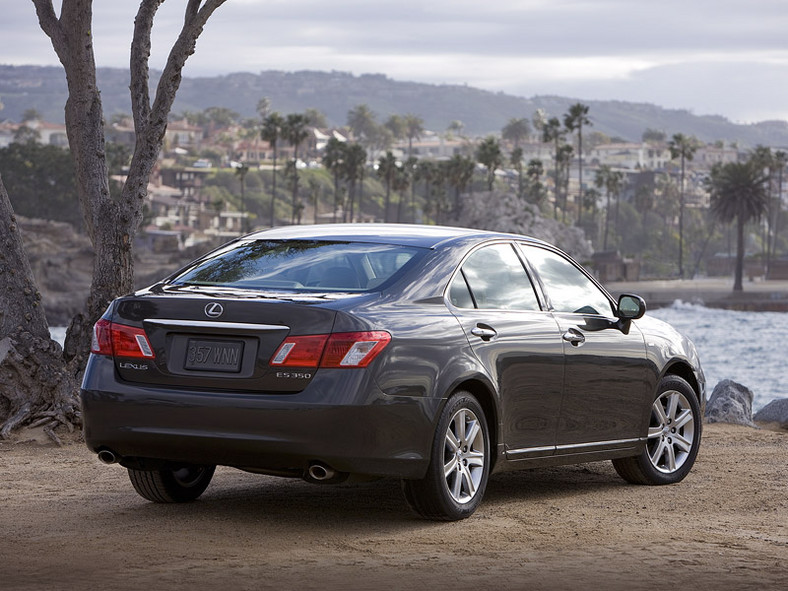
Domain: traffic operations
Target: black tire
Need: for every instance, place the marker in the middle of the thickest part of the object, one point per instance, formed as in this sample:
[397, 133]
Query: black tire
[462, 441]
[673, 437]
[176, 485]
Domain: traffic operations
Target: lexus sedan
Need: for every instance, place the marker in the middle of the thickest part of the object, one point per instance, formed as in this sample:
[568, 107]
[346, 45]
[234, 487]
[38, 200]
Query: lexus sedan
[433, 355]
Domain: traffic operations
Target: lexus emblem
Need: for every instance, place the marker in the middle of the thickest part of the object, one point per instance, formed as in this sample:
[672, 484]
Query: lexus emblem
[214, 310]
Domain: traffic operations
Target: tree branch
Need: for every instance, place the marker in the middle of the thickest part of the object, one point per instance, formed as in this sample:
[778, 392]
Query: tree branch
[140, 56]
[194, 20]
[51, 26]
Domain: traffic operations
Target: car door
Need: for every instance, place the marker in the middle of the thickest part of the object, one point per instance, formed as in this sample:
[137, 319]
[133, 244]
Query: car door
[518, 343]
[606, 383]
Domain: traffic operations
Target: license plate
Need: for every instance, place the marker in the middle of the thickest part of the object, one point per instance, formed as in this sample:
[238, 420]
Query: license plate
[214, 355]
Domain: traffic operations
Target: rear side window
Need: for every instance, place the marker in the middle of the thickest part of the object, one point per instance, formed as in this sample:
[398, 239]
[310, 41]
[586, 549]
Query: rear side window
[493, 277]
[301, 265]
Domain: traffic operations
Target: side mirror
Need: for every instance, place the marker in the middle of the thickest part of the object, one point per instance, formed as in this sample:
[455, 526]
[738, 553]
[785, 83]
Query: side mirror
[630, 307]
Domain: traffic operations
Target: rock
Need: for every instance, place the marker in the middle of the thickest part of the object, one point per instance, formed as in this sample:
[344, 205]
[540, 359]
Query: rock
[774, 412]
[730, 402]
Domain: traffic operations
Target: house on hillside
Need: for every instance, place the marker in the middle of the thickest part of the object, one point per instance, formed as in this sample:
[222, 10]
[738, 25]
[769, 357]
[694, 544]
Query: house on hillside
[50, 134]
[633, 156]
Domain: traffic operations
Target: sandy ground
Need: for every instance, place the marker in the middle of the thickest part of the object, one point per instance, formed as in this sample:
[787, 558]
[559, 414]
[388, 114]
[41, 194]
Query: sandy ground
[69, 522]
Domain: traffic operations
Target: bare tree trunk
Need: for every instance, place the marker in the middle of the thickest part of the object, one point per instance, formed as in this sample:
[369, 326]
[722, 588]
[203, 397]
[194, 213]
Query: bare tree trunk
[34, 382]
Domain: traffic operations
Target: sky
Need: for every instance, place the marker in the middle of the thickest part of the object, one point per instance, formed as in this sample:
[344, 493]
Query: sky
[710, 57]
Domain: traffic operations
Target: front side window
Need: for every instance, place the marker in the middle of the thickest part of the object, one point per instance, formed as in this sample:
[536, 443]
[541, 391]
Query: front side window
[493, 277]
[568, 288]
[301, 265]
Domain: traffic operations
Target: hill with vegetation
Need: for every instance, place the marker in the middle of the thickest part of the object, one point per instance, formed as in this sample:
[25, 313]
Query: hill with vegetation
[335, 93]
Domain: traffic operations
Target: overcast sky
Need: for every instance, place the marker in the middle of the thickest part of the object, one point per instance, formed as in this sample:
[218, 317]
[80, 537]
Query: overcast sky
[712, 57]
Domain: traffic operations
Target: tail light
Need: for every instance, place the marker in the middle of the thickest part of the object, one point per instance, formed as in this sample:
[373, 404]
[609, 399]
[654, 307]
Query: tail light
[119, 340]
[341, 349]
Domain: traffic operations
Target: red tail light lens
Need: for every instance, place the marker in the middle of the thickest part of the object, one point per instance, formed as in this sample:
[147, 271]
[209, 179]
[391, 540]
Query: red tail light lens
[102, 341]
[344, 349]
[119, 340]
[300, 351]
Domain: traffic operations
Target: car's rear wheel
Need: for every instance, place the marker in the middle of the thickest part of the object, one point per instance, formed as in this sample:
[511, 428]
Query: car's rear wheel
[176, 485]
[459, 465]
[673, 437]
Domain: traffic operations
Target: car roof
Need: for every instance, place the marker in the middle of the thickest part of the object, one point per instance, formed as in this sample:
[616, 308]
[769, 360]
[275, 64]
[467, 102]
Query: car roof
[401, 234]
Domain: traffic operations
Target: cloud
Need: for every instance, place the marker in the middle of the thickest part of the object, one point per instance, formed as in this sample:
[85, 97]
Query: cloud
[652, 51]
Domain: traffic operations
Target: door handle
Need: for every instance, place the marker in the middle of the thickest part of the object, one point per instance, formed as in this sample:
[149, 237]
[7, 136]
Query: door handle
[575, 337]
[483, 332]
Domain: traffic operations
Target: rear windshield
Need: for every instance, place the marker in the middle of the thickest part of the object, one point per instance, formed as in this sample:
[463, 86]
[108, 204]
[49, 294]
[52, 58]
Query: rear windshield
[301, 265]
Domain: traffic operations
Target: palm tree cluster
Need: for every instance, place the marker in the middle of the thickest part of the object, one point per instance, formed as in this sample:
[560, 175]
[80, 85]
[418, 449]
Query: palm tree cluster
[375, 137]
[657, 215]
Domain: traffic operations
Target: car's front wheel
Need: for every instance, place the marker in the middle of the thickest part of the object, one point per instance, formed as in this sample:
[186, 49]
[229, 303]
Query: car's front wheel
[673, 437]
[176, 485]
[459, 466]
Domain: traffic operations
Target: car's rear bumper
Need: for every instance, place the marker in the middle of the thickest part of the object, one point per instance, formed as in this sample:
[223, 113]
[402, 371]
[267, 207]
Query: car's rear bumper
[341, 419]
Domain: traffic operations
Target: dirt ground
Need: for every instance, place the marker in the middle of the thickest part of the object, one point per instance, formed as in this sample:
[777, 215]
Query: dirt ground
[69, 522]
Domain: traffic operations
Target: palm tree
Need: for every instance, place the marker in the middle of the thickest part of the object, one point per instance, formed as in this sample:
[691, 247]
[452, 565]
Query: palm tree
[534, 172]
[455, 127]
[459, 172]
[387, 170]
[362, 124]
[352, 171]
[611, 180]
[414, 127]
[402, 180]
[516, 160]
[516, 130]
[564, 163]
[644, 203]
[553, 132]
[240, 172]
[412, 167]
[333, 160]
[271, 132]
[438, 189]
[295, 132]
[489, 154]
[738, 193]
[574, 120]
[396, 125]
[316, 118]
[425, 171]
[315, 189]
[780, 160]
[682, 147]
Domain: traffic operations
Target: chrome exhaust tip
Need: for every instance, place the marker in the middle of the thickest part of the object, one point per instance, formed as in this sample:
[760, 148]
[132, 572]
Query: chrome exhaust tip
[321, 472]
[107, 456]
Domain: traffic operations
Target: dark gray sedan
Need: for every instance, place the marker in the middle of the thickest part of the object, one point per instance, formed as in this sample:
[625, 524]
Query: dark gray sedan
[433, 355]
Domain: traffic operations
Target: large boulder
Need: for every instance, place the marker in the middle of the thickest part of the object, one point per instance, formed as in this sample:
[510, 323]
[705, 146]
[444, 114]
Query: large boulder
[774, 412]
[730, 402]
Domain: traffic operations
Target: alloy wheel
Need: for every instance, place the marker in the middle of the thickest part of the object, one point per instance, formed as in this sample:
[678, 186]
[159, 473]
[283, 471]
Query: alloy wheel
[464, 456]
[671, 432]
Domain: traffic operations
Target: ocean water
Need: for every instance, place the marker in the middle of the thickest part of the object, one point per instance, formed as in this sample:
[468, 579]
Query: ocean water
[745, 347]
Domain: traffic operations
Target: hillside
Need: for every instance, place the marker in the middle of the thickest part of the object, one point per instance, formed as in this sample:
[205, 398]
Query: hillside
[334, 93]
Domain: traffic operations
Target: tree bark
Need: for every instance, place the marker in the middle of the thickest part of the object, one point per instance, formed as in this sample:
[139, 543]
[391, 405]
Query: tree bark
[35, 384]
[739, 272]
